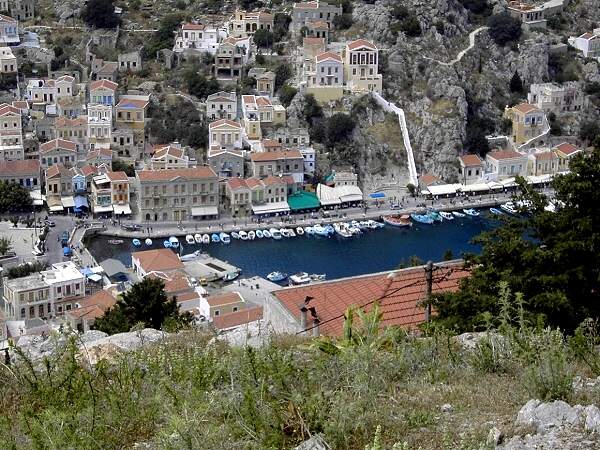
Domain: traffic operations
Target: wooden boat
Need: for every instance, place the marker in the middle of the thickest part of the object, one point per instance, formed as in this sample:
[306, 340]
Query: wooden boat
[398, 221]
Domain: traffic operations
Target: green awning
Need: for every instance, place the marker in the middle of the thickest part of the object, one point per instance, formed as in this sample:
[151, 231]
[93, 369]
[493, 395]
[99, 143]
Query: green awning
[303, 200]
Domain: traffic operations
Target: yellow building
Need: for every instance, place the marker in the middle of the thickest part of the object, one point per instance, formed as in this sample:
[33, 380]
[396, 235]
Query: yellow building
[361, 59]
[130, 114]
[527, 122]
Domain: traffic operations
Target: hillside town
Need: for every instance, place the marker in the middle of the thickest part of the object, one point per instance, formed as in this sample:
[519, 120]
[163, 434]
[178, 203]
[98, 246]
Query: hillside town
[137, 149]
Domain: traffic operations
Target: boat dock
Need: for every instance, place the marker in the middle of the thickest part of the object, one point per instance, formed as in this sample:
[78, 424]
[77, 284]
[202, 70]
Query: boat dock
[208, 268]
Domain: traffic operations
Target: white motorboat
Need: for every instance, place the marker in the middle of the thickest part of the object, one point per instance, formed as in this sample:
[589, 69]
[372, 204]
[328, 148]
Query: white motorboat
[320, 230]
[457, 214]
[446, 215]
[318, 276]
[174, 242]
[266, 234]
[235, 235]
[471, 212]
[309, 230]
[206, 239]
[243, 235]
[342, 230]
[189, 239]
[275, 233]
[364, 224]
[291, 232]
[276, 276]
[509, 207]
[299, 231]
[225, 238]
[284, 232]
[251, 235]
[259, 234]
[148, 242]
[299, 279]
[198, 238]
[190, 256]
[355, 230]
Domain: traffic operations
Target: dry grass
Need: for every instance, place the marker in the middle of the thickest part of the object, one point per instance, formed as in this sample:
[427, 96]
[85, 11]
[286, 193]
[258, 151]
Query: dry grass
[443, 108]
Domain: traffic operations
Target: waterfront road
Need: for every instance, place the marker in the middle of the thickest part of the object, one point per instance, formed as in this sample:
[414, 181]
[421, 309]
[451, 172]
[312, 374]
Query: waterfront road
[404, 205]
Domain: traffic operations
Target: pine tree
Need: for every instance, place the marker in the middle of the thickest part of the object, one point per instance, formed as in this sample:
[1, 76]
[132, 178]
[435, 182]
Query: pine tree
[516, 85]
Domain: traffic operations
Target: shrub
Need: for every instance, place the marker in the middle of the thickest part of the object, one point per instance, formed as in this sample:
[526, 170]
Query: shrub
[343, 21]
[504, 28]
[477, 7]
[287, 94]
[263, 38]
[516, 85]
[283, 72]
[100, 14]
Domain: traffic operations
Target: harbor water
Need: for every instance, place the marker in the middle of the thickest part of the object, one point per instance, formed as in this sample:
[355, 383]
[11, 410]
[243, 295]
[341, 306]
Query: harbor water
[373, 251]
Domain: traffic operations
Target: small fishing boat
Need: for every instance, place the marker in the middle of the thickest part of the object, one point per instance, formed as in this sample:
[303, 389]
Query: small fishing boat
[230, 276]
[435, 216]
[215, 237]
[225, 238]
[198, 238]
[275, 233]
[471, 212]
[496, 211]
[243, 235]
[190, 256]
[136, 242]
[422, 218]
[235, 235]
[364, 224]
[372, 225]
[291, 232]
[398, 221]
[276, 276]
[205, 239]
[309, 231]
[329, 230]
[148, 242]
[457, 214]
[355, 230]
[115, 241]
[509, 207]
[189, 239]
[317, 276]
[251, 235]
[174, 242]
[342, 230]
[266, 234]
[299, 231]
[446, 215]
[299, 279]
[284, 232]
[320, 230]
[167, 244]
[259, 234]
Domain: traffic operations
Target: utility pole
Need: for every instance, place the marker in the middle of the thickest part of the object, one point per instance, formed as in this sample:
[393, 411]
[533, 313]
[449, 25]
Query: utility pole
[429, 280]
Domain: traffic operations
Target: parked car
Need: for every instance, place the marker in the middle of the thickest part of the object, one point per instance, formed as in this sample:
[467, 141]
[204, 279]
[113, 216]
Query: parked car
[131, 227]
[50, 223]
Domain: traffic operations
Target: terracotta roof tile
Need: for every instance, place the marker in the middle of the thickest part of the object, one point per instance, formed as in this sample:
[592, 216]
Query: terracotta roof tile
[428, 179]
[526, 108]
[545, 156]
[57, 144]
[193, 26]
[103, 84]
[93, 306]
[158, 260]
[470, 160]
[567, 149]
[221, 122]
[400, 294]
[226, 298]
[328, 55]
[171, 174]
[273, 156]
[361, 43]
[132, 103]
[504, 154]
[236, 183]
[20, 167]
[235, 319]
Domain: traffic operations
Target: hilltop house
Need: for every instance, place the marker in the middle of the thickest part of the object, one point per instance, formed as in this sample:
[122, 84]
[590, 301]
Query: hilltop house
[325, 77]
[244, 24]
[551, 97]
[178, 194]
[221, 105]
[9, 31]
[103, 92]
[8, 61]
[528, 121]
[588, 43]
[231, 57]
[306, 12]
[502, 164]
[131, 115]
[265, 84]
[159, 260]
[361, 61]
[197, 37]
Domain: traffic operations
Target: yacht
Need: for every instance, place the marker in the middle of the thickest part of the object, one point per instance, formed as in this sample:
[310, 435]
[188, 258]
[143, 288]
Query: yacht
[435, 216]
[320, 230]
[276, 276]
[509, 207]
[275, 233]
[190, 256]
[471, 212]
[198, 238]
[458, 214]
[235, 235]
[299, 279]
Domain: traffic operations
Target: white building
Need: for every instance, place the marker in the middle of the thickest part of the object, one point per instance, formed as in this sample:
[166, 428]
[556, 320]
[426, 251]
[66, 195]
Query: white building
[588, 43]
[552, 97]
[170, 156]
[221, 105]
[504, 164]
[8, 61]
[361, 66]
[310, 160]
[99, 125]
[9, 30]
[45, 294]
[198, 37]
[225, 133]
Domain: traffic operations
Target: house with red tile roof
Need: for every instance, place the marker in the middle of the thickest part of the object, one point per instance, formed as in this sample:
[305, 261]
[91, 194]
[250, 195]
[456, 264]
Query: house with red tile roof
[243, 317]
[325, 77]
[25, 172]
[471, 168]
[502, 164]
[361, 66]
[565, 153]
[226, 162]
[528, 121]
[399, 294]
[225, 133]
[58, 151]
[90, 308]
[244, 24]
[197, 38]
[221, 105]
[219, 304]
[543, 163]
[170, 156]
[103, 92]
[157, 260]
[258, 110]
[283, 162]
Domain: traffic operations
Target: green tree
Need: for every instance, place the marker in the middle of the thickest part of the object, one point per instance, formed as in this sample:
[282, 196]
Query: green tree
[339, 129]
[283, 72]
[14, 197]
[550, 258]
[287, 94]
[281, 24]
[312, 110]
[100, 14]
[119, 165]
[263, 38]
[163, 37]
[5, 245]
[145, 303]
[504, 28]
[590, 132]
[411, 188]
[516, 85]
[343, 21]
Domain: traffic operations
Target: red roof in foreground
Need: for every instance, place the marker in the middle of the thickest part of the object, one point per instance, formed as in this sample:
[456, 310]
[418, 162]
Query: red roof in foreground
[399, 292]
[234, 319]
